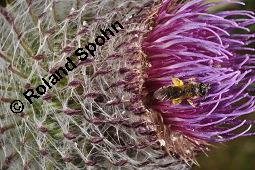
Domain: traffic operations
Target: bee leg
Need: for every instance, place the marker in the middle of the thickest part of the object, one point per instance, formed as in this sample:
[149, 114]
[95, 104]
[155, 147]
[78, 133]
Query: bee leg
[191, 80]
[176, 101]
[191, 103]
[177, 82]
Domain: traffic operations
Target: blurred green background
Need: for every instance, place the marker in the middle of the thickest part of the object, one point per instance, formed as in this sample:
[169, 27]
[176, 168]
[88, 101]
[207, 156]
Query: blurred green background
[238, 154]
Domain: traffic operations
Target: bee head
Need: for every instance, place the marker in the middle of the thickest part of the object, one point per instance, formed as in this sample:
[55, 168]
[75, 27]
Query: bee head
[203, 89]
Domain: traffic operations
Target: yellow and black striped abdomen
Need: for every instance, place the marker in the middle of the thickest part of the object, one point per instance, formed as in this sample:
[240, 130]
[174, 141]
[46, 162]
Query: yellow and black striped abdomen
[175, 92]
[187, 91]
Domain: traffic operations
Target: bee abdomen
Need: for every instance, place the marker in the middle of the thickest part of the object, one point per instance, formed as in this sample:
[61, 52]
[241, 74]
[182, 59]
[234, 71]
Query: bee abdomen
[174, 92]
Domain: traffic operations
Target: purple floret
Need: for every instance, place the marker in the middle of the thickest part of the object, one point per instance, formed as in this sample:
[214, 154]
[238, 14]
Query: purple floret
[214, 48]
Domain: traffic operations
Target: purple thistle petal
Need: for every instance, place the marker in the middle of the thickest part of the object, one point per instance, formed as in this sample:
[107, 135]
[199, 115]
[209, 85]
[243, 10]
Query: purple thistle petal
[189, 42]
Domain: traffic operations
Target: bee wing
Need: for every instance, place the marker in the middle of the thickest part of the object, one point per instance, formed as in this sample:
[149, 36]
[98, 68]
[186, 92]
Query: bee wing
[177, 82]
[160, 94]
[192, 80]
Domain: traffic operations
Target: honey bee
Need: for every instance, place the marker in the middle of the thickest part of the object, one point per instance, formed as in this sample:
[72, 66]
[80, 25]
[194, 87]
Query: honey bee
[178, 91]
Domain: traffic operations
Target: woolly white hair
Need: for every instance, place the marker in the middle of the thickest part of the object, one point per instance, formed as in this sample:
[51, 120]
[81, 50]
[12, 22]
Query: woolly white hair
[87, 120]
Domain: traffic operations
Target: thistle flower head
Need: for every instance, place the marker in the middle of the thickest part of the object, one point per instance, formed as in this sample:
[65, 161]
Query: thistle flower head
[189, 42]
[103, 114]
